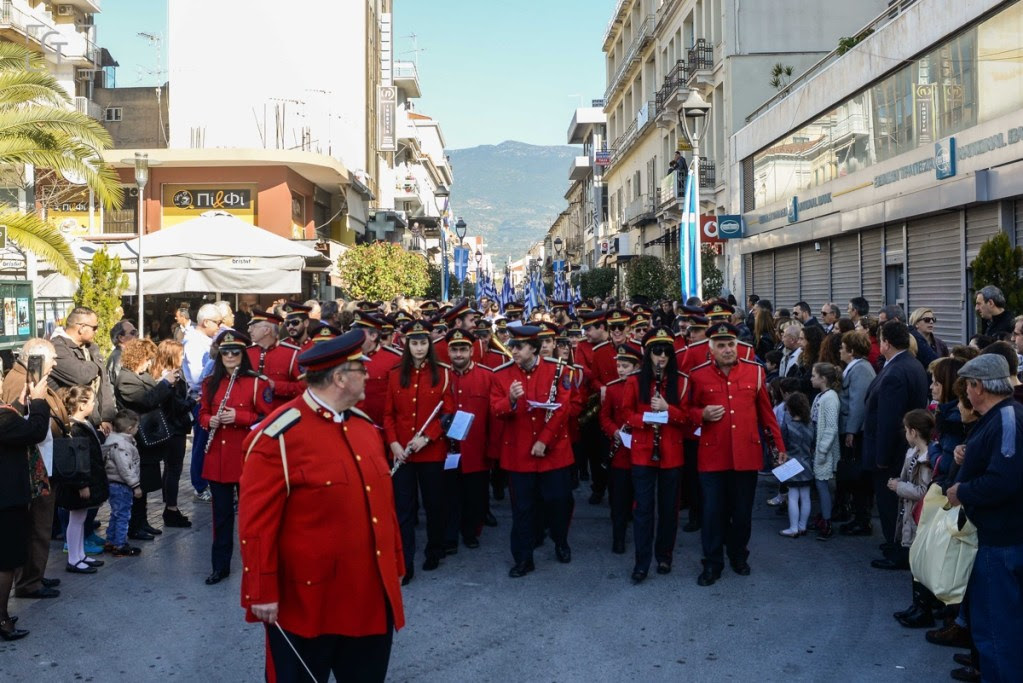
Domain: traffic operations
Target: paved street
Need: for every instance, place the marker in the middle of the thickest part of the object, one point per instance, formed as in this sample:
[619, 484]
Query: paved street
[809, 611]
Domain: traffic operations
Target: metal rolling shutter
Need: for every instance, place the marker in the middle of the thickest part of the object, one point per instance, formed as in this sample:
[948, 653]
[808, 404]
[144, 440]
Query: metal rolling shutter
[872, 270]
[763, 275]
[813, 274]
[934, 272]
[845, 269]
[1019, 222]
[786, 277]
[747, 275]
[981, 225]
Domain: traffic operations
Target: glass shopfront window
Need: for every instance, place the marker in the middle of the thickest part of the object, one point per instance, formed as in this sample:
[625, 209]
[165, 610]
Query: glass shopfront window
[974, 77]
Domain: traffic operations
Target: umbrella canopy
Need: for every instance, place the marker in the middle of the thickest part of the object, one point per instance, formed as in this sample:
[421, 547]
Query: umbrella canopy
[216, 252]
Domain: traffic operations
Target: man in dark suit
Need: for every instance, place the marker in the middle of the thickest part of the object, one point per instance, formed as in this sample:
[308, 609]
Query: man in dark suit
[901, 386]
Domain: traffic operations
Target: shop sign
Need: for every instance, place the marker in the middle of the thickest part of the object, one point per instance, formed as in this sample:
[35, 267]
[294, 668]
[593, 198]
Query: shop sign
[182, 202]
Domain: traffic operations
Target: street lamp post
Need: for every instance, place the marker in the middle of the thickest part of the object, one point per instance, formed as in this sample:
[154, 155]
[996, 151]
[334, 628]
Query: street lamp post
[479, 260]
[442, 192]
[695, 108]
[141, 163]
[460, 228]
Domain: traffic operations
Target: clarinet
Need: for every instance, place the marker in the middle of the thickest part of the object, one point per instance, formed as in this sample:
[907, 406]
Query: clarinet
[616, 443]
[554, 390]
[223, 404]
[655, 454]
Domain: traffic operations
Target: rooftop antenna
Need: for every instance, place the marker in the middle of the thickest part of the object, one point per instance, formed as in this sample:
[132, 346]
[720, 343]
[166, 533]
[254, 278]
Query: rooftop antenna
[155, 41]
[415, 49]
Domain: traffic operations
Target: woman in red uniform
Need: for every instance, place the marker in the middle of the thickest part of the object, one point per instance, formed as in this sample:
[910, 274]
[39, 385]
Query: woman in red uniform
[233, 400]
[656, 450]
[612, 422]
[414, 388]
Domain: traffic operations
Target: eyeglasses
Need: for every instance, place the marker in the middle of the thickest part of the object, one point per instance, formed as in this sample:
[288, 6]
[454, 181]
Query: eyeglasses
[929, 319]
[230, 352]
[293, 322]
[617, 328]
[356, 368]
[130, 333]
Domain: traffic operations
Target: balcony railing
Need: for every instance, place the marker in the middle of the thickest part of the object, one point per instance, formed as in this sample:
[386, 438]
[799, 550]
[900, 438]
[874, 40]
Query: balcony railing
[700, 57]
[43, 36]
[639, 209]
[86, 106]
[708, 175]
[674, 91]
[644, 33]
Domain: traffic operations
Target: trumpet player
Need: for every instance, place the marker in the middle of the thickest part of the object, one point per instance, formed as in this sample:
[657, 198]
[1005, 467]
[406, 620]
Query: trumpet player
[612, 422]
[658, 389]
[233, 399]
[415, 386]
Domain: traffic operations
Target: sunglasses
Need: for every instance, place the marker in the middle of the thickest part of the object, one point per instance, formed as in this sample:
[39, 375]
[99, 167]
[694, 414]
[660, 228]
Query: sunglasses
[617, 328]
[293, 322]
[515, 345]
[660, 350]
[230, 352]
[130, 333]
[929, 319]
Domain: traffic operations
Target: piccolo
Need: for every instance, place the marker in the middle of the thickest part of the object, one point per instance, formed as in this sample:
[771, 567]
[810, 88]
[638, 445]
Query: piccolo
[398, 462]
[220, 410]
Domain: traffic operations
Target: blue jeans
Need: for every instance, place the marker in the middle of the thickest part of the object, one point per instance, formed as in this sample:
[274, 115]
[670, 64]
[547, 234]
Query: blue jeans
[996, 610]
[120, 513]
[199, 438]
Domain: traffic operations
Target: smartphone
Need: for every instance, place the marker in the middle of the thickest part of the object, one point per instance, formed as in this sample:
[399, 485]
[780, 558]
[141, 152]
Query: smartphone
[35, 368]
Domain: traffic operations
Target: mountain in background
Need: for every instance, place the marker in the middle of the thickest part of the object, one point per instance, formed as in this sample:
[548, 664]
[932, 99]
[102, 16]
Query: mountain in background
[510, 193]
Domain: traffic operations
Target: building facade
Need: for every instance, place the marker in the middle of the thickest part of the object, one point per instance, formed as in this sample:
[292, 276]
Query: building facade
[905, 157]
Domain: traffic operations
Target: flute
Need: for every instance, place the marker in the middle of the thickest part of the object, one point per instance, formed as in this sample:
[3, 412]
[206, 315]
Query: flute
[220, 410]
[398, 462]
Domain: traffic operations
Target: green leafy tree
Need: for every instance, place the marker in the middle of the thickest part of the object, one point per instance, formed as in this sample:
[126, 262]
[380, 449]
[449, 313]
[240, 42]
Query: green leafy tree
[433, 290]
[645, 276]
[713, 278]
[999, 264]
[382, 270]
[38, 127]
[99, 287]
[597, 282]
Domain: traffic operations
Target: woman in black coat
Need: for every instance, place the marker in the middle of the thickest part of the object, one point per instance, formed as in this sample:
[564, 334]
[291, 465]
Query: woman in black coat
[137, 390]
[169, 355]
[88, 492]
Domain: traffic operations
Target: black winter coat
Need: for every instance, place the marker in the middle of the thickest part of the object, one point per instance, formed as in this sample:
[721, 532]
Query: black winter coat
[17, 434]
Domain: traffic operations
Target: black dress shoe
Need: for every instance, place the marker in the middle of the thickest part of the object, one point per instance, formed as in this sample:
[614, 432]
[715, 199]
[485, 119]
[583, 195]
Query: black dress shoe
[40, 594]
[741, 568]
[490, 520]
[888, 564]
[410, 574]
[50, 583]
[93, 562]
[905, 612]
[76, 569]
[9, 632]
[690, 527]
[521, 569]
[564, 554]
[150, 530]
[174, 518]
[431, 563]
[140, 536]
[960, 658]
[856, 529]
[638, 576]
[217, 576]
[663, 567]
[918, 618]
[967, 673]
[618, 547]
[471, 542]
[708, 577]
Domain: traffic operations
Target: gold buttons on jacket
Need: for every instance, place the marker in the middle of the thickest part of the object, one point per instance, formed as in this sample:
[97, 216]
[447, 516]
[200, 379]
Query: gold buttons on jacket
[308, 583]
[368, 488]
[328, 483]
[378, 553]
[358, 458]
[244, 541]
[374, 520]
[246, 569]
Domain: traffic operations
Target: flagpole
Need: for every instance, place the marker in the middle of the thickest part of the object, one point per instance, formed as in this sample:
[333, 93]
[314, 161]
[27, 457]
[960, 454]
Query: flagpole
[695, 170]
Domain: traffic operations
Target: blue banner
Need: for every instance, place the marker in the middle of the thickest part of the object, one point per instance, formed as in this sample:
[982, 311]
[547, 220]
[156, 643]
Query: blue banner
[461, 263]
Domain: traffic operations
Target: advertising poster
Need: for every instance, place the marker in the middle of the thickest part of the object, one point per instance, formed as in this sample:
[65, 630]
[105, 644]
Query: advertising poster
[10, 315]
[24, 324]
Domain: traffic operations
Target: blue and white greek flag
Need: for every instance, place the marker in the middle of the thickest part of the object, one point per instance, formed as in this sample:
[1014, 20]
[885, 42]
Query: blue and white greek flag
[689, 236]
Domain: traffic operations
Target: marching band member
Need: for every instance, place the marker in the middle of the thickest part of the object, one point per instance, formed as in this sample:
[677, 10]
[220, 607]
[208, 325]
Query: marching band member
[273, 359]
[612, 422]
[486, 351]
[656, 450]
[534, 446]
[233, 400]
[597, 356]
[415, 387]
[698, 351]
[380, 360]
[513, 311]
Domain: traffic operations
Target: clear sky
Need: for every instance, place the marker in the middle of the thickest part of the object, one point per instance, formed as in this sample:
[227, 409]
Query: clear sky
[489, 70]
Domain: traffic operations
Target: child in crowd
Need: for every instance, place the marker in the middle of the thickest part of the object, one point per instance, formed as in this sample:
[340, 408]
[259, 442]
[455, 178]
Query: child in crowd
[911, 486]
[780, 390]
[123, 474]
[798, 436]
[90, 491]
[772, 361]
[827, 379]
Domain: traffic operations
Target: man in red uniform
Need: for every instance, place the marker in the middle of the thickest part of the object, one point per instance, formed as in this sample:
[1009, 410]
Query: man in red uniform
[275, 360]
[728, 401]
[698, 351]
[466, 484]
[534, 446]
[597, 355]
[484, 351]
[296, 323]
[458, 317]
[381, 359]
[612, 422]
[513, 311]
[316, 470]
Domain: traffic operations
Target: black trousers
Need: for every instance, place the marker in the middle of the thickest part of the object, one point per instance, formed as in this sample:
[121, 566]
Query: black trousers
[223, 525]
[173, 463]
[467, 500]
[887, 500]
[620, 495]
[596, 446]
[655, 488]
[428, 479]
[727, 515]
[533, 493]
[358, 659]
[691, 481]
[848, 475]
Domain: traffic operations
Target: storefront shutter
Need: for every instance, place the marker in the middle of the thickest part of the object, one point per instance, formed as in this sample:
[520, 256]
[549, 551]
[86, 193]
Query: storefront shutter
[763, 275]
[872, 269]
[813, 274]
[1019, 222]
[981, 225]
[786, 277]
[845, 269]
[934, 272]
[747, 275]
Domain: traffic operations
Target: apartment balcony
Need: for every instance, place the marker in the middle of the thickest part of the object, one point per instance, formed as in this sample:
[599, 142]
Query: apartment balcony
[86, 106]
[700, 61]
[580, 169]
[644, 33]
[621, 12]
[621, 145]
[87, 6]
[38, 33]
[408, 191]
[671, 96]
[669, 196]
[640, 211]
[406, 77]
[708, 174]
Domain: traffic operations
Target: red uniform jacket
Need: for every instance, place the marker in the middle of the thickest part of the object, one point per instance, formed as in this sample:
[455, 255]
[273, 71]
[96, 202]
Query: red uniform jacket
[612, 418]
[317, 525]
[406, 409]
[580, 393]
[223, 461]
[524, 427]
[634, 405]
[378, 368]
[484, 355]
[279, 364]
[440, 351]
[471, 393]
[680, 343]
[733, 442]
[698, 353]
[603, 367]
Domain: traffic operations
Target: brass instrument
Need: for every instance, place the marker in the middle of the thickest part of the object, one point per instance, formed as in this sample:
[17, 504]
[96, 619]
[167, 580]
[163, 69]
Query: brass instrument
[554, 390]
[591, 409]
[220, 409]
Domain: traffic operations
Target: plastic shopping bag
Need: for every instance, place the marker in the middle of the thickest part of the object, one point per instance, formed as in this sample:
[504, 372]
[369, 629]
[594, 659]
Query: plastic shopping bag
[944, 549]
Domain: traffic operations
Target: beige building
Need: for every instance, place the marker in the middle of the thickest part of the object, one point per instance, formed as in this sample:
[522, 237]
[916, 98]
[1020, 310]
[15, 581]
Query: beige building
[657, 51]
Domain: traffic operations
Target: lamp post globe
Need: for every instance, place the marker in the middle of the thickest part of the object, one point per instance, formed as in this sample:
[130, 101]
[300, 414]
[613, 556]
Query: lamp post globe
[557, 246]
[460, 228]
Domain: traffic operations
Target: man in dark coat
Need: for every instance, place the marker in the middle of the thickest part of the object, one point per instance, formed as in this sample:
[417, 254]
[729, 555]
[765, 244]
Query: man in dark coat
[80, 362]
[901, 386]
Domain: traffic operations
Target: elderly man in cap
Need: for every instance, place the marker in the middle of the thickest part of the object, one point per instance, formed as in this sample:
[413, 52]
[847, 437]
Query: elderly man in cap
[729, 403]
[319, 535]
[276, 360]
[989, 486]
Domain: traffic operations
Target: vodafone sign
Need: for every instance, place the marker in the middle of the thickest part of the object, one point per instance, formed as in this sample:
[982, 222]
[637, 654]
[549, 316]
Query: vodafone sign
[709, 226]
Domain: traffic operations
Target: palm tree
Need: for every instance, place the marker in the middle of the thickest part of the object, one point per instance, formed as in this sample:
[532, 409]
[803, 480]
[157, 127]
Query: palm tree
[38, 128]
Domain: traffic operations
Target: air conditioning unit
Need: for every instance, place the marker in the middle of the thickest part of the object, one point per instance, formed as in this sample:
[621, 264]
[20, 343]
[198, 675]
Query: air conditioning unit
[65, 10]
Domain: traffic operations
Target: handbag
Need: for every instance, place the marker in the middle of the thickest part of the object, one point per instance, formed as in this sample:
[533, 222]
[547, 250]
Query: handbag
[70, 460]
[944, 549]
[153, 428]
